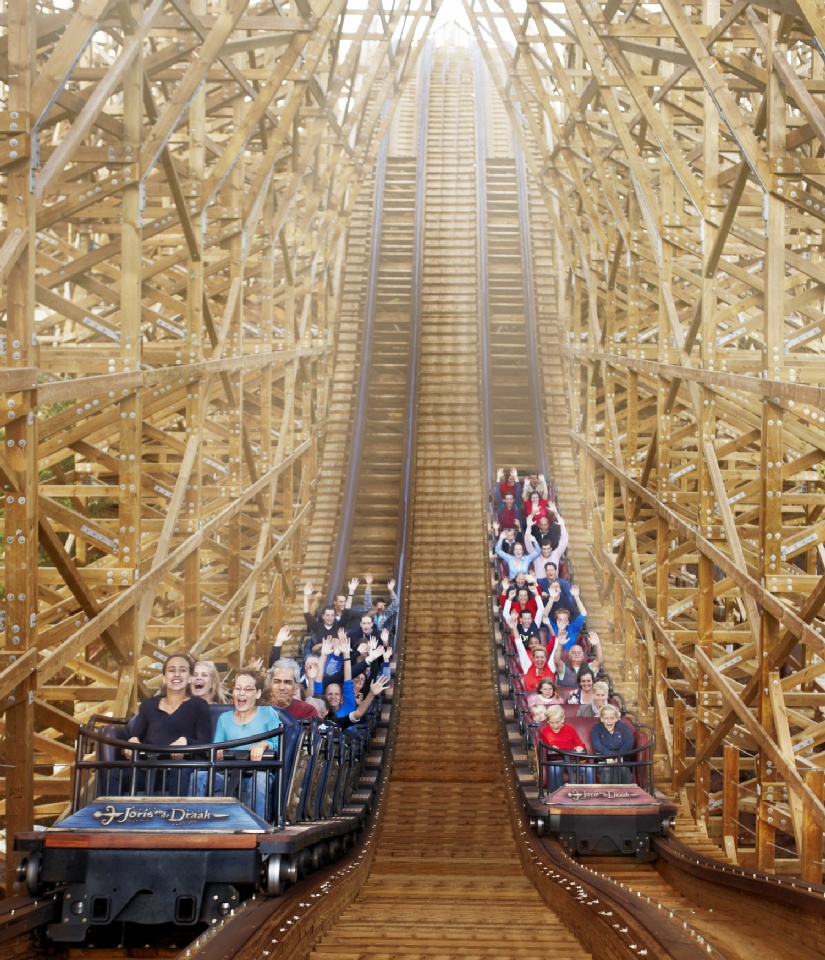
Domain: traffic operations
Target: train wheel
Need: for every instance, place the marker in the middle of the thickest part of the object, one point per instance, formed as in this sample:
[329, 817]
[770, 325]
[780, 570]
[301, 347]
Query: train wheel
[303, 863]
[278, 871]
[273, 885]
[32, 874]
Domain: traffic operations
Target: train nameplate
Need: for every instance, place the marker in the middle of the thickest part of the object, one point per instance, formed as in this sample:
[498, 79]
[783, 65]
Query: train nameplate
[146, 813]
[583, 794]
[119, 815]
[602, 794]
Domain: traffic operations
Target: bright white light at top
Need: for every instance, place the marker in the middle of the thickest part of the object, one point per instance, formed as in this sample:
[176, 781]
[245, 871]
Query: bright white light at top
[452, 26]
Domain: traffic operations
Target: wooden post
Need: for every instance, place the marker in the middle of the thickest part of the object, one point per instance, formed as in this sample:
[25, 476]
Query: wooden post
[730, 800]
[679, 739]
[131, 407]
[196, 321]
[21, 506]
[810, 856]
[770, 532]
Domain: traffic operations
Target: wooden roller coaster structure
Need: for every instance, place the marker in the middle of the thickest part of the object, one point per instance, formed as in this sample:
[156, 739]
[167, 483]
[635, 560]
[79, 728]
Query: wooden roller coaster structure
[181, 188]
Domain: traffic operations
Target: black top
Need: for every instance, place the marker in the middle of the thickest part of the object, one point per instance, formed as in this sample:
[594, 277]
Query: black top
[531, 631]
[320, 631]
[553, 535]
[190, 720]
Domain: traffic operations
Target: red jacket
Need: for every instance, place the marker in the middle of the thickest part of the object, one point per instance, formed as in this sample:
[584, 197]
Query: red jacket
[565, 739]
[506, 487]
[539, 512]
[516, 607]
[301, 710]
[510, 517]
[533, 677]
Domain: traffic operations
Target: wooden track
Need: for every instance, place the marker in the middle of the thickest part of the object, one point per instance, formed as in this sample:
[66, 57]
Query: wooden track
[509, 380]
[453, 872]
[373, 546]
[381, 472]
[692, 360]
[446, 879]
[329, 491]
[562, 466]
[737, 935]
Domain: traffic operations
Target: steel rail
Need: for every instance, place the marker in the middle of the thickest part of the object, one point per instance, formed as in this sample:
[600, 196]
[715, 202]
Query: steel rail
[344, 533]
[533, 377]
[410, 458]
[483, 254]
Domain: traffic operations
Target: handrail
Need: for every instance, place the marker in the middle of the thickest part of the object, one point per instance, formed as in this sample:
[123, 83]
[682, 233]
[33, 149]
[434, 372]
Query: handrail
[577, 755]
[138, 746]
[550, 757]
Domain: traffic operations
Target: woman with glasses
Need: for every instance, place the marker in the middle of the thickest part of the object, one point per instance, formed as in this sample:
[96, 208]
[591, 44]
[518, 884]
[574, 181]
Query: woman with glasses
[247, 719]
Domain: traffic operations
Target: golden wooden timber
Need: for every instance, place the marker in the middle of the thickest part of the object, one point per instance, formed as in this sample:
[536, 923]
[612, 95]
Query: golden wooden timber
[678, 149]
[178, 179]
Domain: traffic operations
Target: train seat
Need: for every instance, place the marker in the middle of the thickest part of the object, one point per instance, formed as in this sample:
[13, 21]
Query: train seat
[108, 778]
[642, 739]
[215, 710]
[583, 727]
[107, 752]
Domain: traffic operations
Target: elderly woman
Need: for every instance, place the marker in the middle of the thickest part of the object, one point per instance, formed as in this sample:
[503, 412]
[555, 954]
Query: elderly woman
[173, 718]
[320, 706]
[612, 739]
[206, 682]
[249, 718]
[561, 736]
[601, 691]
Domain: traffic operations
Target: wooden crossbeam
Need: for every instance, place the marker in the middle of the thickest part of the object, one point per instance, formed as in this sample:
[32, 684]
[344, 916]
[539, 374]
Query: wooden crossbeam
[182, 353]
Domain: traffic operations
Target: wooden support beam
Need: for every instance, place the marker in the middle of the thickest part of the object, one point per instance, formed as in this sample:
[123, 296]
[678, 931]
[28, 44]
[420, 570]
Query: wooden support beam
[714, 516]
[787, 770]
[158, 374]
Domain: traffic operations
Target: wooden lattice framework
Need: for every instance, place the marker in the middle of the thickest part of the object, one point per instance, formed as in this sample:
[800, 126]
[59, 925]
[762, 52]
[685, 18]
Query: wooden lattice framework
[177, 178]
[681, 149]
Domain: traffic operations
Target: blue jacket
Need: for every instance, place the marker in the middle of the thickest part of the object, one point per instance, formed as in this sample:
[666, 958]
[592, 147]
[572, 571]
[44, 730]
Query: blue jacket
[615, 744]
[348, 705]
[573, 630]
